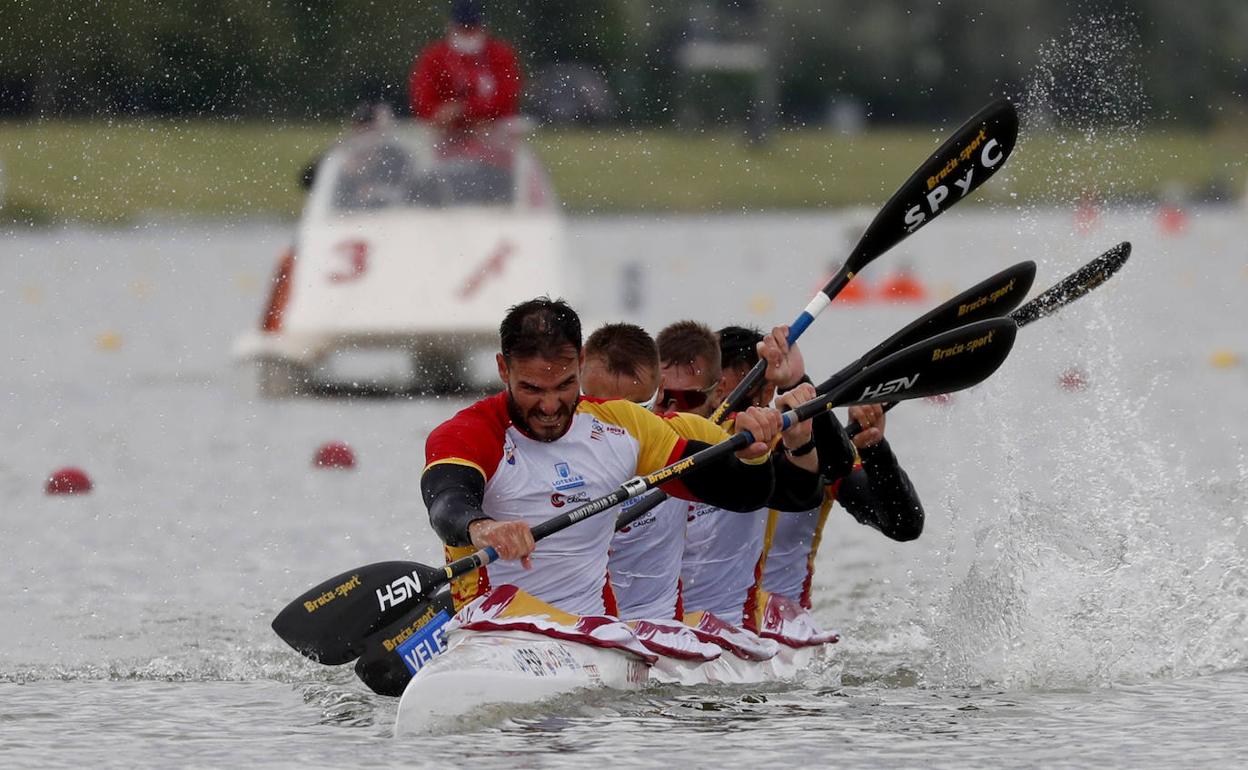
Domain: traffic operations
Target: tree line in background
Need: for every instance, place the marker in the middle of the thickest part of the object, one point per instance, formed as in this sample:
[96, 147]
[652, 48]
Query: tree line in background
[869, 60]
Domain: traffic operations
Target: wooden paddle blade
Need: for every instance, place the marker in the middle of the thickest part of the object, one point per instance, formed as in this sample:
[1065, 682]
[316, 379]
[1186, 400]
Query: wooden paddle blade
[330, 621]
[976, 151]
[944, 363]
[1074, 286]
[393, 654]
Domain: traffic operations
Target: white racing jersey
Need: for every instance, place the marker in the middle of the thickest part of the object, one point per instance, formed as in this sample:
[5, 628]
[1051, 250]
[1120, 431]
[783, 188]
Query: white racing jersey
[721, 552]
[532, 481]
[646, 557]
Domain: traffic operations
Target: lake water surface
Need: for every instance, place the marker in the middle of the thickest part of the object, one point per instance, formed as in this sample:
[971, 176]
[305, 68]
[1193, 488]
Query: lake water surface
[1079, 597]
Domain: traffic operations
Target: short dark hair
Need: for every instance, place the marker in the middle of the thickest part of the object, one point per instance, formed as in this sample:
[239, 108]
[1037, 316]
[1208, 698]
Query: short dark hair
[541, 327]
[682, 343]
[738, 347]
[624, 348]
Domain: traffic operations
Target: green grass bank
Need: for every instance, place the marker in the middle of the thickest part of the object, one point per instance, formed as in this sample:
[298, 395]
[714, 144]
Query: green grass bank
[114, 172]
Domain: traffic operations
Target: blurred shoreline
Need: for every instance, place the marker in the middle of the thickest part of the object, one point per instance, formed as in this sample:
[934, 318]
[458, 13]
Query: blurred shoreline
[123, 172]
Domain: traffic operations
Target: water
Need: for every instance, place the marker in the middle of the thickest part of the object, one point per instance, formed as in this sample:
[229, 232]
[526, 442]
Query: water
[1080, 595]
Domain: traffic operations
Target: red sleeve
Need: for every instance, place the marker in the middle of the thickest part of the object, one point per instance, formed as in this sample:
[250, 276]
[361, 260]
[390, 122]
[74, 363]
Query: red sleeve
[473, 437]
[504, 100]
[423, 84]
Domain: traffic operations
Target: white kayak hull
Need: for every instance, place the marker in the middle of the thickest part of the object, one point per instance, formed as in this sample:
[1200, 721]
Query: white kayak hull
[503, 667]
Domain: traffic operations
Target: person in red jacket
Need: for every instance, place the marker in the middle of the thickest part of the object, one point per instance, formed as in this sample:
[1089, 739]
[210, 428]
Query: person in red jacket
[467, 77]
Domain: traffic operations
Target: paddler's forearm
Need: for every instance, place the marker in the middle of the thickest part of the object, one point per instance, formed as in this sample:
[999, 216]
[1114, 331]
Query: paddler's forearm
[796, 489]
[727, 483]
[453, 495]
[880, 495]
[835, 447]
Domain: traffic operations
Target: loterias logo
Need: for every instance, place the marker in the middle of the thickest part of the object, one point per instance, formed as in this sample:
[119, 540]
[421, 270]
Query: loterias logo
[398, 591]
[566, 479]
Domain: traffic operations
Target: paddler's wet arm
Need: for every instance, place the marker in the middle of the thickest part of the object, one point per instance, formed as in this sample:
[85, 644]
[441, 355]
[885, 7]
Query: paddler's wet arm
[835, 447]
[453, 495]
[795, 489]
[727, 483]
[880, 495]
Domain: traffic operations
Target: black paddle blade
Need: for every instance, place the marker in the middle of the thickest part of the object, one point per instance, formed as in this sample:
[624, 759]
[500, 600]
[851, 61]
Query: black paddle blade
[973, 153]
[416, 637]
[989, 298]
[329, 621]
[1074, 286]
[944, 363]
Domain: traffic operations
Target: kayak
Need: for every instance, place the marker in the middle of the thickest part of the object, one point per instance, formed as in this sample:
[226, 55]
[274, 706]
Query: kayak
[483, 668]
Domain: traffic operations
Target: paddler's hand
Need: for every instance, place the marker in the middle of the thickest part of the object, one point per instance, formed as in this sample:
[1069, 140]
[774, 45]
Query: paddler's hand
[785, 365]
[871, 418]
[803, 432]
[512, 539]
[764, 425]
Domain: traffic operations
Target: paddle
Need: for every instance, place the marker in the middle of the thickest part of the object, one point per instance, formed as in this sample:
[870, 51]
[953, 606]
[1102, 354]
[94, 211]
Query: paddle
[965, 161]
[944, 363]
[1057, 296]
[990, 298]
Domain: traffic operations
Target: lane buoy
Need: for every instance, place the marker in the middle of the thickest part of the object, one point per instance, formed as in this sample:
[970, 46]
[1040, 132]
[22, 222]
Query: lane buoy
[68, 481]
[1087, 215]
[1073, 379]
[334, 454]
[109, 341]
[1224, 359]
[1171, 219]
[901, 287]
[855, 291]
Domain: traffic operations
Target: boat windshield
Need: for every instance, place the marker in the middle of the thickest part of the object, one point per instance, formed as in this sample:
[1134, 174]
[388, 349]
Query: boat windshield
[389, 173]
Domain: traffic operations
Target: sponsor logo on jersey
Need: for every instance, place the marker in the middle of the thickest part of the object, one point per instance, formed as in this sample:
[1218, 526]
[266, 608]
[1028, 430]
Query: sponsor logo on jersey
[509, 452]
[566, 479]
[558, 500]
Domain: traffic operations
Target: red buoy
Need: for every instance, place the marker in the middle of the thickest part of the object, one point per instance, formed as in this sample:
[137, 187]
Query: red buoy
[1073, 379]
[335, 454]
[68, 481]
[1171, 219]
[901, 287]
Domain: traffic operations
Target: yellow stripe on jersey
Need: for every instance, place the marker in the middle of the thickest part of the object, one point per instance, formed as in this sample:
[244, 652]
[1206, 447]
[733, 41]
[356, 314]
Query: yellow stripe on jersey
[656, 439]
[696, 427]
[458, 461]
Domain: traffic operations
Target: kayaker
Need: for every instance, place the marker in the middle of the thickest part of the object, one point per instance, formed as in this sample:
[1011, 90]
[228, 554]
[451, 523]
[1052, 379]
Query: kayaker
[514, 459]
[622, 361]
[699, 368]
[466, 78]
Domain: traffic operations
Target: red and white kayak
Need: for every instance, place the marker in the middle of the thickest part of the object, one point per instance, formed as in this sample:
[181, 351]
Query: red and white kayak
[509, 649]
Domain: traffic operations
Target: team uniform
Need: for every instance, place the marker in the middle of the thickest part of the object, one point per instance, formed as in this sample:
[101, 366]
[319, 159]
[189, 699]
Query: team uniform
[528, 480]
[646, 556]
[877, 493]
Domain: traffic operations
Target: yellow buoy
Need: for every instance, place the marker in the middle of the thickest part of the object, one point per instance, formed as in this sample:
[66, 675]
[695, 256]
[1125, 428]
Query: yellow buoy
[108, 341]
[761, 304]
[1224, 359]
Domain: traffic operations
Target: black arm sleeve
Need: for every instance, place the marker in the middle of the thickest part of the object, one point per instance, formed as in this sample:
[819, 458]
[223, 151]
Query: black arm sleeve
[835, 448]
[796, 489]
[880, 495]
[729, 483]
[453, 495]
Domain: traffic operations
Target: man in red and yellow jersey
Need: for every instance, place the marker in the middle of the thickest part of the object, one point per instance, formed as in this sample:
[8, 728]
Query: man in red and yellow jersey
[513, 460]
